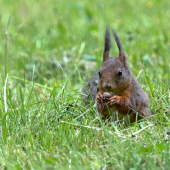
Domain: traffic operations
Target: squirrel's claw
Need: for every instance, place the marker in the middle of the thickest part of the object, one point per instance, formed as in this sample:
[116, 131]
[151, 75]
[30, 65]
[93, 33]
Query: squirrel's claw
[113, 100]
[99, 97]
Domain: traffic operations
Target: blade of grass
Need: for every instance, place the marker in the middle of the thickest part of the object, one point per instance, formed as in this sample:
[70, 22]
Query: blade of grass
[5, 99]
[6, 44]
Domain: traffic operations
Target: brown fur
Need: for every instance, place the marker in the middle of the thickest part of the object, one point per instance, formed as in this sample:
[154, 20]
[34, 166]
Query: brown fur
[128, 97]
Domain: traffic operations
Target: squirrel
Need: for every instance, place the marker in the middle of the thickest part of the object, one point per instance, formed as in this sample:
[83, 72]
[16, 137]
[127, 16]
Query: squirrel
[118, 90]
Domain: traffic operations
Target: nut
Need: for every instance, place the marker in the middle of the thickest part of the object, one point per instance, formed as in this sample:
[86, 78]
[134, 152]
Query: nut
[106, 97]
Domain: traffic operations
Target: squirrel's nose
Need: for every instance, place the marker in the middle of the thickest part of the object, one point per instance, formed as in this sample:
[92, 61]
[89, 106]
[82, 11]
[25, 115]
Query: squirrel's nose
[107, 86]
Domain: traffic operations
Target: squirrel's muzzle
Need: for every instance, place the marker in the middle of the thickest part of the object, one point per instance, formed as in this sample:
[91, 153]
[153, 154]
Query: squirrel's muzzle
[107, 86]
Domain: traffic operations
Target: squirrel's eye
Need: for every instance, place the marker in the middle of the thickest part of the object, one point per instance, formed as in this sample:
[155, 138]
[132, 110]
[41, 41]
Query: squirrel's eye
[120, 73]
[99, 74]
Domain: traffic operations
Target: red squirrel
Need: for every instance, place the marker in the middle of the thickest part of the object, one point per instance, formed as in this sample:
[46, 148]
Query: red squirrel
[118, 91]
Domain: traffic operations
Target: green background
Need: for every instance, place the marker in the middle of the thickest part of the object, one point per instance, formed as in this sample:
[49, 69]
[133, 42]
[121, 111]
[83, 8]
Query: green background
[51, 48]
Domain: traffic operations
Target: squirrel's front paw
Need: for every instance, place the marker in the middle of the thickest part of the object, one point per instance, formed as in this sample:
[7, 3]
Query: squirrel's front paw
[113, 100]
[99, 102]
[99, 98]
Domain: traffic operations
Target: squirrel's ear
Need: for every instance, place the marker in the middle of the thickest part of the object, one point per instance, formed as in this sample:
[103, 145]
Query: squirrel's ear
[107, 45]
[121, 56]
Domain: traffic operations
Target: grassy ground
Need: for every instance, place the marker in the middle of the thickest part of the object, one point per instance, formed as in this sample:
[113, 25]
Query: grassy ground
[53, 47]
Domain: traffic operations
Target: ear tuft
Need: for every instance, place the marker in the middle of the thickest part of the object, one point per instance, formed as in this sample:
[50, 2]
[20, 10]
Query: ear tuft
[107, 45]
[122, 56]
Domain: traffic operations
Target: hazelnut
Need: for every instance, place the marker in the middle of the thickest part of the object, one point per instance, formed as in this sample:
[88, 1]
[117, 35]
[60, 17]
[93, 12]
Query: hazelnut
[106, 97]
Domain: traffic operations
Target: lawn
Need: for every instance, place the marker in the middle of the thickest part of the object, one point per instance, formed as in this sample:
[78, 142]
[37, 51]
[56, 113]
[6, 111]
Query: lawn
[49, 49]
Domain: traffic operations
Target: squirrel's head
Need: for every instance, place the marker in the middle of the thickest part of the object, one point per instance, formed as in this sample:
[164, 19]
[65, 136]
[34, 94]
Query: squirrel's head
[114, 74]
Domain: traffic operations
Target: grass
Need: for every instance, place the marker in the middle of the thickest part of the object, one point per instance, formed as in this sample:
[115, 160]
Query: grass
[51, 49]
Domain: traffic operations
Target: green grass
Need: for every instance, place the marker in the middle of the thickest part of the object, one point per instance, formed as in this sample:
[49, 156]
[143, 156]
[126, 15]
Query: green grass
[53, 47]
